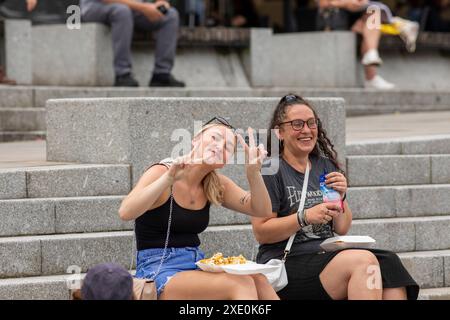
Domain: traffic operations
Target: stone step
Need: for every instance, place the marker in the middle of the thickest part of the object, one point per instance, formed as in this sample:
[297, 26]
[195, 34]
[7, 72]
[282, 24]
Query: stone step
[435, 294]
[429, 269]
[25, 217]
[17, 97]
[406, 234]
[9, 136]
[399, 201]
[35, 288]
[359, 101]
[388, 170]
[53, 254]
[64, 181]
[439, 144]
[29, 119]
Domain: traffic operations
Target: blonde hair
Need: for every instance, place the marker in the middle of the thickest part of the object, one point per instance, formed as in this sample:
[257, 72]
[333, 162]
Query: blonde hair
[212, 187]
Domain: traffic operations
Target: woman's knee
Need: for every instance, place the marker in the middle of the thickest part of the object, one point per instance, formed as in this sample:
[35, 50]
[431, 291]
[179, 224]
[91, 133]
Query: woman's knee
[120, 11]
[362, 259]
[239, 286]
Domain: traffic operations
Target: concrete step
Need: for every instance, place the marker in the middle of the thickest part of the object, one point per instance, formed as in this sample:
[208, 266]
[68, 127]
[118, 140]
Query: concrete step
[359, 101]
[22, 217]
[64, 181]
[53, 254]
[399, 201]
[429, 269]
[9, 136]
[16, 97]
[388, 170]
[439, 144]
[435, 294]
[406, 234]
[35, 288]
[29, 119]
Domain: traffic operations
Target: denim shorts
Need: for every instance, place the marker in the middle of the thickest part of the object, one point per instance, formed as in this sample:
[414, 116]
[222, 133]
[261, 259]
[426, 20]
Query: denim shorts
[176, 260]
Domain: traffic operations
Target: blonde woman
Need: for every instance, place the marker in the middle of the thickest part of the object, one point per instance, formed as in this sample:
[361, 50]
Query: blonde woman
[176, 196]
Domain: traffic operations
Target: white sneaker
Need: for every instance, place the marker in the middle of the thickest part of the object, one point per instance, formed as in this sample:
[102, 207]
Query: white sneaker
[372, 57]
[409, 30]
[378, 83]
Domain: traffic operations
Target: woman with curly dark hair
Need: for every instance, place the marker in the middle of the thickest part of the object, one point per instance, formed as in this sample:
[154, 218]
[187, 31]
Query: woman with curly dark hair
[305, 151]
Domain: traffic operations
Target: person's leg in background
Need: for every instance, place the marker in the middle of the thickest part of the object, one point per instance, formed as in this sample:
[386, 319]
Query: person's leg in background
[120, 18]
[166, 36]
[369, 50]
[3, 78]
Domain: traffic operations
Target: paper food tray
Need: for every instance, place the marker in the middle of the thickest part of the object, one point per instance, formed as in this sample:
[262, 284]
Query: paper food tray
[346, 242]
[239, 269]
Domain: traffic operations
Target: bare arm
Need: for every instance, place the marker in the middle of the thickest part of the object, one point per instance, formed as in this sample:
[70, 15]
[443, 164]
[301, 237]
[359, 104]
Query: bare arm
[278, 229]
[255, 202]
[343, 221]
[272, 230]
[148, 193]
[31, 4]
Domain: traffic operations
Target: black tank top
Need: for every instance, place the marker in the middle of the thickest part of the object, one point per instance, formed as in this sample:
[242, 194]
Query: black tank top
[151, 227]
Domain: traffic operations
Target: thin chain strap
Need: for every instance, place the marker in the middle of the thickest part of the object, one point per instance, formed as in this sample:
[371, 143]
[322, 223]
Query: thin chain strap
[167, 237]
[169, 223]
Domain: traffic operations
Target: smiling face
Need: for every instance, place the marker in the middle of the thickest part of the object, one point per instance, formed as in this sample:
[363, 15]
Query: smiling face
[216, 145]
[301, 141]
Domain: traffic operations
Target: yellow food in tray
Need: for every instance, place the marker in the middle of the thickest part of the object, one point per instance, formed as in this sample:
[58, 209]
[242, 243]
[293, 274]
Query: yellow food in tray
[219, 260]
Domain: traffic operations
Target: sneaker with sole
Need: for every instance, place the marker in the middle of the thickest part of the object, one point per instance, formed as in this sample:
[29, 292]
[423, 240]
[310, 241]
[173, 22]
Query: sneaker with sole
[165, 80]
[126, 80]
[378, 83]
[372, 58]
[409, 31]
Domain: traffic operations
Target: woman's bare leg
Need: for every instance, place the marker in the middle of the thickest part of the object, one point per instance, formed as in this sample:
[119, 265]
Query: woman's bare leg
[353, 274]
[264, 289]
[395, 294]
[200, 285]
[371, 40]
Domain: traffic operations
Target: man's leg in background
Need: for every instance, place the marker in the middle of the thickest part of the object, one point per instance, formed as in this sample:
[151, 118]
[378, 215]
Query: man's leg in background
[120, 18]
[166, 36]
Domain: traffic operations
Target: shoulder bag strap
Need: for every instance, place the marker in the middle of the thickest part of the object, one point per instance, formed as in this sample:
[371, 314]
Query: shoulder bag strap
[300, 209]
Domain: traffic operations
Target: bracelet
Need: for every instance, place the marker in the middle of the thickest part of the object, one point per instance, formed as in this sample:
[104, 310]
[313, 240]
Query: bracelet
[304, 217]
[300, 220]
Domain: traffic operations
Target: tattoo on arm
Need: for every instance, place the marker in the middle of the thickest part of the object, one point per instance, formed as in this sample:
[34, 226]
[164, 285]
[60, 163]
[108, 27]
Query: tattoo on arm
[245, 198]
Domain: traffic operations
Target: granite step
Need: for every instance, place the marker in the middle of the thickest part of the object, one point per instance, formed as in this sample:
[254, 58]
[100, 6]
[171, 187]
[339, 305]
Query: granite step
[53, 254]
[389, 170]
[64, 181]
[22, 120]
[429, 269]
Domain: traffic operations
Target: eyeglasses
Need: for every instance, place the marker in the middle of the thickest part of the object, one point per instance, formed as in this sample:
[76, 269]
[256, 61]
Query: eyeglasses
[221, 120]
[298, 124]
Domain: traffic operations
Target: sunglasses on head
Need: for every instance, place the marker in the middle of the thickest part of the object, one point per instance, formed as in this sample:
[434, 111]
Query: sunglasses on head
[220, 120]
[290, 98]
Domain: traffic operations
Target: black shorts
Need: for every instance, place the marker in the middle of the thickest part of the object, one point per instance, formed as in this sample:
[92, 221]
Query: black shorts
[304, 269]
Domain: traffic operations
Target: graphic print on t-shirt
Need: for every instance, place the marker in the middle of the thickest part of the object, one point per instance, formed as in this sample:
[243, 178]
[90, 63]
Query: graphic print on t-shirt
[285, 190]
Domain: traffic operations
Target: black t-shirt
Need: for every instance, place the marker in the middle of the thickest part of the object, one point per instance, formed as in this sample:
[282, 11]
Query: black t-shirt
[285, 190]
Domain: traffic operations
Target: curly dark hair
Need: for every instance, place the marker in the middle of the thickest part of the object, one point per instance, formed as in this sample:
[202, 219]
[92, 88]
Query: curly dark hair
[323, 146]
